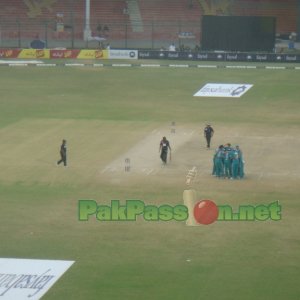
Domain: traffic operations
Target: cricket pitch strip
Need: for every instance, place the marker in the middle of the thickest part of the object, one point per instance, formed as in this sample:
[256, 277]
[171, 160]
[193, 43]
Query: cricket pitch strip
[144, 157]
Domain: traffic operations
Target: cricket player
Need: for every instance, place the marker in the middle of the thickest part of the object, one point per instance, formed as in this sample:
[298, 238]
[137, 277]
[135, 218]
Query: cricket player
[164, 146]
[227, 163]
[63, 153]
[241, 161]
[208, 134]
[235, 165]
[214, 173]
[219, 161]
[227, 160]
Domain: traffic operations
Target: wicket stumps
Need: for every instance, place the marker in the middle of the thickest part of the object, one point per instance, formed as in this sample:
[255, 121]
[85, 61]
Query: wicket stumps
[127, 165]
[173, 127]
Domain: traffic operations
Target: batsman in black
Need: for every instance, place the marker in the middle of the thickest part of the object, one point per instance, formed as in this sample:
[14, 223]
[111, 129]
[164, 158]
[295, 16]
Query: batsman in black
[208, 133]
[163, 148]
[63, 153]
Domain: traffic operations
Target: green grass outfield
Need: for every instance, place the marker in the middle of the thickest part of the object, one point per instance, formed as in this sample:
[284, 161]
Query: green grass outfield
[104, 112]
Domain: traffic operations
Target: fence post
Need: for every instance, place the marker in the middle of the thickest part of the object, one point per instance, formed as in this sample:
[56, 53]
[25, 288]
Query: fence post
[178, 34]
[72, 34]
[126, 35]
[152, 35]
[19, 33]
[46, 34]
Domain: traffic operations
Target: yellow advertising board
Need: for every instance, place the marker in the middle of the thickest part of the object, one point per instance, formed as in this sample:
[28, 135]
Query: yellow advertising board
[34, 53]
[93, 54]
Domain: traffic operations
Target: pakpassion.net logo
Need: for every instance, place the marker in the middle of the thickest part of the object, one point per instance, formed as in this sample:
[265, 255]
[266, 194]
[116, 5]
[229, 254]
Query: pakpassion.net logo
[203, 212]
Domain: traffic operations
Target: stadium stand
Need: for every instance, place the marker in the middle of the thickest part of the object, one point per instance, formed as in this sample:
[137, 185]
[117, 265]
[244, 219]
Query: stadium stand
[284, 11]
[161, 21]
[28, 18]
[178, 10]
[168, 21]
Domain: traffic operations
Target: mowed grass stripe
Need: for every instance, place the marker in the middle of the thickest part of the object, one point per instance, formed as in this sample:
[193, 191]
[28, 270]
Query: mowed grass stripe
[159, 95]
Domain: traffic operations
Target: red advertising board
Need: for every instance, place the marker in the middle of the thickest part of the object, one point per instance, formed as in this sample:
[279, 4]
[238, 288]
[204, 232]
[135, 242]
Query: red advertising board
[9, 53]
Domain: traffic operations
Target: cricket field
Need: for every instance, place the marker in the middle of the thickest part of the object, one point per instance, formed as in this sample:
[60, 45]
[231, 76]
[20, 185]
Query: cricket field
[113, 116]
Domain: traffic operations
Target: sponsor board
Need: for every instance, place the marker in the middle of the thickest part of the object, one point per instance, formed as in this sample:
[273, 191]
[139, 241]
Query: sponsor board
[29, 278]
[9, 53]
[122, 54]
[292, 58]
[34, 53]
[146, 54]
[223, 90]
[221, 56]
[93, 54]
[56, 54]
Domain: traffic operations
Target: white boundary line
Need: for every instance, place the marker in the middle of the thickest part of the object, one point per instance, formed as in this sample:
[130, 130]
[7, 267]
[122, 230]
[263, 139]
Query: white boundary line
[29, 64]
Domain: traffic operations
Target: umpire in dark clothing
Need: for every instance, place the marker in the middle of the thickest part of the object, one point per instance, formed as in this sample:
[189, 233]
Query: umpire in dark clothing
[208, 134]
[63, 153]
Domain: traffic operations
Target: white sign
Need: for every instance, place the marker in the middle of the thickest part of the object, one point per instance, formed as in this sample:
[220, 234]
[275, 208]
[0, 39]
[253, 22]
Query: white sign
[122, 54]
[223, 90]
[29, 278]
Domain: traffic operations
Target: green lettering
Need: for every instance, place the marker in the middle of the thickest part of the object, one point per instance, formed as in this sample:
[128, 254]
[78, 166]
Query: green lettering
[246, 213]
[165, 212]
[151, 213]
[104, 213]
[181, 213]
[134, 208]
[262, 213]
[86, 208]
[225, 213]
[275, 211]
[118, 213]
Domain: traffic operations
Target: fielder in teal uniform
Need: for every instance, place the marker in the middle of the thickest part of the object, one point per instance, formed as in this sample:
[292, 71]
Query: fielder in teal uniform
[219, 161]
[241, 161]
[235, 165]
[227, 161]
[214, 173]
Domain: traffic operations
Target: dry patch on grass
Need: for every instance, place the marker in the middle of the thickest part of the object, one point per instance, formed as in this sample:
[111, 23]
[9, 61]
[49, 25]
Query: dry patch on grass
[30, 148]
[97, 151]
